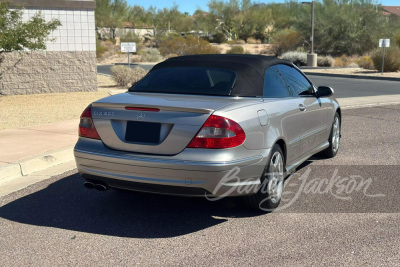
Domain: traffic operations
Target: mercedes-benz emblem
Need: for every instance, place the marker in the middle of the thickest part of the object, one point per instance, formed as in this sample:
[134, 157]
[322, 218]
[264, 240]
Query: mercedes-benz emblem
[140, 116]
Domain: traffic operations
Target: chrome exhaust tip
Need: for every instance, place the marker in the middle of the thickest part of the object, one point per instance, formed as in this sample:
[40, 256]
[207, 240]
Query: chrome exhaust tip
[89, 185]
[101, 187]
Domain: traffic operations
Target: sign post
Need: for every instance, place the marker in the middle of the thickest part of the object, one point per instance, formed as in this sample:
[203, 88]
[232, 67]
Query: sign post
[384, 43]
[128, 48]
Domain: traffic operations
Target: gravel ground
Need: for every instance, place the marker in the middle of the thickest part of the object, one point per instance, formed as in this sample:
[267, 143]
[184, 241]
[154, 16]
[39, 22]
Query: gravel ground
[28, 110]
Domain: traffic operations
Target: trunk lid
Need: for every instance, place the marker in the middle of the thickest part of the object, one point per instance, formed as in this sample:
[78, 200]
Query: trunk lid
[166, 131]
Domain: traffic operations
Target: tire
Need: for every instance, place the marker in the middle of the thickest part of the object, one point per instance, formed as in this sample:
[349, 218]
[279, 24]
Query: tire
[269, 195]
[334, 138]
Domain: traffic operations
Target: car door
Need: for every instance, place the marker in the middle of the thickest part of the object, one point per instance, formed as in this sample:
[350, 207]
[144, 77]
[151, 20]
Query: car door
[284, 112]
[313, 113]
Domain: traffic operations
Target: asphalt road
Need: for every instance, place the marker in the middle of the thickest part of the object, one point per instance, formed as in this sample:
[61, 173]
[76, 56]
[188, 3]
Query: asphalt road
[344, 87]
[58, 222]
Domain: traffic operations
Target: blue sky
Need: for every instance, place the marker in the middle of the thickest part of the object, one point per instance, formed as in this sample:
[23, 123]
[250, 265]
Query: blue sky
[191, 5]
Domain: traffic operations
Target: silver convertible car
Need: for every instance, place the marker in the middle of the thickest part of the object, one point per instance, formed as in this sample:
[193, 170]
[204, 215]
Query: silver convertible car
[209, 125]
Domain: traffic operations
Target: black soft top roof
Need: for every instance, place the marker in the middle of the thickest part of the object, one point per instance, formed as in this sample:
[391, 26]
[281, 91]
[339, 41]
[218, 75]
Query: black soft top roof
[249, 69]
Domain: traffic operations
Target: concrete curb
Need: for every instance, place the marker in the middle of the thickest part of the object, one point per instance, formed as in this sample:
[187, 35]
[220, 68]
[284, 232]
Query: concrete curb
[370, 105]
[352, 76]
[13, 170]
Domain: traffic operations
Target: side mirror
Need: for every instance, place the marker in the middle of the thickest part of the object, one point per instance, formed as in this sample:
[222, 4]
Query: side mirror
[325, 91]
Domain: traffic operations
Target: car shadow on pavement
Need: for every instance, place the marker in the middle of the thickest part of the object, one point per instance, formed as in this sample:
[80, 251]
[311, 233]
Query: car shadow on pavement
[66, 204]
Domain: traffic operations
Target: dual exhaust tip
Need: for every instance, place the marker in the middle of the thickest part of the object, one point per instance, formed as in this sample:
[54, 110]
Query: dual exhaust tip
[95, 185]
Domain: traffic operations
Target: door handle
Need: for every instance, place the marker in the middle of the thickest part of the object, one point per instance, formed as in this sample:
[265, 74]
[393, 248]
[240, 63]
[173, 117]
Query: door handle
[302, 107]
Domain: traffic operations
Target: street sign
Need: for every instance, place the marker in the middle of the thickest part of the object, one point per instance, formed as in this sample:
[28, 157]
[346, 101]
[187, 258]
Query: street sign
[384, 42]
[128, 47]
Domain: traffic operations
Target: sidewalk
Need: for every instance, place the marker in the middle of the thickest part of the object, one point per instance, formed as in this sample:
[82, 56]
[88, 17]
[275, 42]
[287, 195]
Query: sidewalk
[355, 73]
[31, 149]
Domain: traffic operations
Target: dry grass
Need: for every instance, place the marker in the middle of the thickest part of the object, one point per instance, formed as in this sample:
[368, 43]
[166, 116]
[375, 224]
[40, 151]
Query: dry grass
[28, 110]
[255, 49]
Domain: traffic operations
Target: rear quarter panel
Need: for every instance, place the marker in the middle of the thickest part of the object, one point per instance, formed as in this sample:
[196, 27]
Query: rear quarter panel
[281, 122]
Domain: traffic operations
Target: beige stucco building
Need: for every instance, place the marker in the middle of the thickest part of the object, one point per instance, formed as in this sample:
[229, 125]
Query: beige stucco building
[67, 65]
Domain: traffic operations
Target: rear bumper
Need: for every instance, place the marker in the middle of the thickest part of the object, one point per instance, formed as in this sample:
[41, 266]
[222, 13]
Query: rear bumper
[177, 175]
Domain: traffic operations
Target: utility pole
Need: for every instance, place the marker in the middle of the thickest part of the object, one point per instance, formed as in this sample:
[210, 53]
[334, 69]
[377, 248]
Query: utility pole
[311, 57]
[312, 27]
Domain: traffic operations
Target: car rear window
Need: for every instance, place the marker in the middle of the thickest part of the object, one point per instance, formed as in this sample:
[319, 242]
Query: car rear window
[187, 80]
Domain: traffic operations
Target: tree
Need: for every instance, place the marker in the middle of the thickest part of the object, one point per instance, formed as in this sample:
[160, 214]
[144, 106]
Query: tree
[111, 14]
[240, 19]
[138, 17]
[16, 35]
[345, 27]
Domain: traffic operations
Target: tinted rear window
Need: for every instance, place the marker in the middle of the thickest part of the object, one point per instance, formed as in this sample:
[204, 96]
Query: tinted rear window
[187, 80]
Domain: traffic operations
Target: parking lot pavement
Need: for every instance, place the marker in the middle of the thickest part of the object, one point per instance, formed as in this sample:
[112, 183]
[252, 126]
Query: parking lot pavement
[58, 222]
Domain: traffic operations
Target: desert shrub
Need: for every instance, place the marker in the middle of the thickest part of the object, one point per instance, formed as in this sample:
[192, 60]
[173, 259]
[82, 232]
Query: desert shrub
[108, 42]
[366, 63]
[240, 42]
[297, 58]
[251, 40]
[100, 49]
[126, 76]
[186, 46]
[237, 49]
[325, 61]
[130, 37]
[286, 40]
[151, 55]
[259, 36]
[266, 50]
[397, 40]
[392, 59]
[219, 38]
[230, 42]
[345, 61]
[170, 56]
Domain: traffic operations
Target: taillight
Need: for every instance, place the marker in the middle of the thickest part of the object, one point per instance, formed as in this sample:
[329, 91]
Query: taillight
[218, 132]
[86, 126]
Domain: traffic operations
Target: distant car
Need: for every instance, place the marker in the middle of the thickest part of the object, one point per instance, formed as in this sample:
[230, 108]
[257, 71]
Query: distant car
[193, 119]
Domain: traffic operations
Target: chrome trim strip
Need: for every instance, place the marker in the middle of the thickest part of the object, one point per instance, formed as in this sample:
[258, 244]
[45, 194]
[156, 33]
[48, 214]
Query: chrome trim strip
[315, 132]
[298, 139]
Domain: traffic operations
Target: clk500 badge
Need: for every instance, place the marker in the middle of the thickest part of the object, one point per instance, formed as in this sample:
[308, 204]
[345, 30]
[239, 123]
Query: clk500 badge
[100, 113]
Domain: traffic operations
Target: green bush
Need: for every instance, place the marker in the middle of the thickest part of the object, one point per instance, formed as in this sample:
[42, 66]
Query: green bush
[297, 58]
[366, 63]
[188, 45]
[219, 38]
[392, 59]
[100, 50]
[325, 61]
[126, 76]
[286, 40]
[237, 49]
